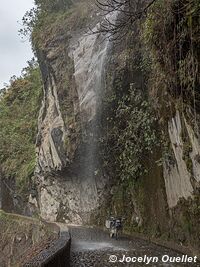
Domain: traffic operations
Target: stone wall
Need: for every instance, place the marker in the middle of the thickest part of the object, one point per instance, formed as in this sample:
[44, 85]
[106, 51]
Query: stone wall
[19, 234]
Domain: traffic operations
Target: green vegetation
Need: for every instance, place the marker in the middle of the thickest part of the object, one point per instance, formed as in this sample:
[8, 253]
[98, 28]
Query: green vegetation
[53, 18]
[160, 59]
[130, 120]
[165, 55]
[19, 107]
[171, 33]
[53, 5]
[135, 135]
[34, 17]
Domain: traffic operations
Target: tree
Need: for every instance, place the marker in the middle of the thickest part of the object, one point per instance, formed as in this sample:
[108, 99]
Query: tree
[53, 5]
[129, 12]
[33, 16]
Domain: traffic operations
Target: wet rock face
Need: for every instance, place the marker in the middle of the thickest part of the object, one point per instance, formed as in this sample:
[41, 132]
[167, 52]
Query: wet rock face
[70, 179]
[88, 53]
[71, 195]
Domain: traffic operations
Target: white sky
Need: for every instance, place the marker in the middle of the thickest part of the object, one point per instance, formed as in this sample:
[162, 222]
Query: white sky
[14, 53]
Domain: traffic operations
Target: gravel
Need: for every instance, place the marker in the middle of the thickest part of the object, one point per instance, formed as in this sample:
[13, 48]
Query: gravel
[92, 248]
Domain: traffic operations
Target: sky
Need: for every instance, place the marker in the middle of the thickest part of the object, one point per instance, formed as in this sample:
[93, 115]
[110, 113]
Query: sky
[14, 53]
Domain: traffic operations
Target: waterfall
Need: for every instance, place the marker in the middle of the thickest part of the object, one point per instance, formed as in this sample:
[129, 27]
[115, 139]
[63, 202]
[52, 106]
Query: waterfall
[89, 53]
[77, 190]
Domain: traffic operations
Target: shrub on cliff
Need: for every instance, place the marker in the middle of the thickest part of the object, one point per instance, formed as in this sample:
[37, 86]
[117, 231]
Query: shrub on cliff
[132, 136]
[19, 106]
[49, 19]
[172, 37]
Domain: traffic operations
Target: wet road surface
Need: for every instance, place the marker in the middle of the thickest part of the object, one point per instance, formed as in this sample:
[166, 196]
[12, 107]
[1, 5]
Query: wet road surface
[94, 248]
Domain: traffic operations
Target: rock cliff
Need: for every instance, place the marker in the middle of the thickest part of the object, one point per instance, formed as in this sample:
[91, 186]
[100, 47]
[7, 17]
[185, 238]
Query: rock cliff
[104, 145]
[71, 182]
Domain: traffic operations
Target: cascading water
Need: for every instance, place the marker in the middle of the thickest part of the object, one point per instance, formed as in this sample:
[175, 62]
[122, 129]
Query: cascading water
[89, 55]
[77, 185]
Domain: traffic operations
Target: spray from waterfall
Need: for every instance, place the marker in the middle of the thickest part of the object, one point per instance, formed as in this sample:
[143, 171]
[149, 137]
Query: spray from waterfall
[90, 54]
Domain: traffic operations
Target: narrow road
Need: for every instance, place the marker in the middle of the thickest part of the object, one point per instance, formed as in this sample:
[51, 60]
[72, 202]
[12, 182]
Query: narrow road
[93, 248]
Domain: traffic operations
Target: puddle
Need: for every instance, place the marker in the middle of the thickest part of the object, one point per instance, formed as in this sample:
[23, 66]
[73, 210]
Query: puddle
[84, 245]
